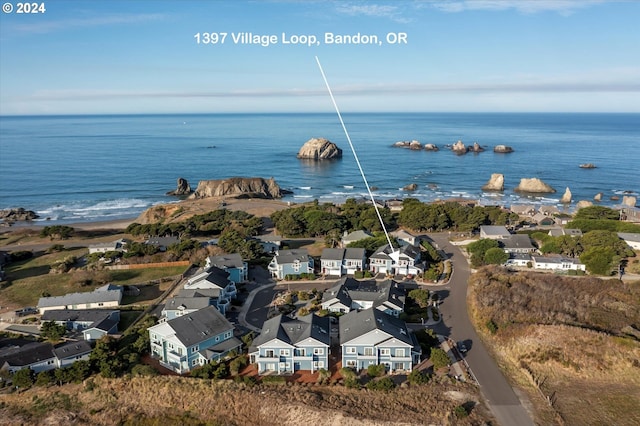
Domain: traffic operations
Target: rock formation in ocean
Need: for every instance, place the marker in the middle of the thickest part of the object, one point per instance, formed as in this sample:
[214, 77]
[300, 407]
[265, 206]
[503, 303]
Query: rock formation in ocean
[459, 148]
[183, 188]
[430, 147]
[476, 147]
[254, 187]
[533, 185]
[410, 187]
[502, 149]
[319, 149]
[495, 183]
[413, 144]
[583, 203]
[614, 198]
[598, 197]
[628, 200]
[17, 215]
[566, 197]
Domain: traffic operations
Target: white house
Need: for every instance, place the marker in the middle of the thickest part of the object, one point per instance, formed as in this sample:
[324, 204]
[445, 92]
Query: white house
[494, 232]
[557, 263]
[350, 294]
[107, 296]
[117, 245]
[632, 239]
[396, 261]
[354, 236]
[338, 262]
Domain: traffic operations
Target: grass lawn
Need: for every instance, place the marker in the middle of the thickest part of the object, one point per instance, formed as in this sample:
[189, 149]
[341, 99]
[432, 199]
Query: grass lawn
[140, 276]
[127, 318]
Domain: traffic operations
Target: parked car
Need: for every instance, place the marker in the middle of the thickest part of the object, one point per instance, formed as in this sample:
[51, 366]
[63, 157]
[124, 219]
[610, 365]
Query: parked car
[461, 347]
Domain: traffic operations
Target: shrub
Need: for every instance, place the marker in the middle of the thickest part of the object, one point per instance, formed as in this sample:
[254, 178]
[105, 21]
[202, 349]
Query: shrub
[376, 370]
[439, 358]
[23, 379]
[274, 380]
[143, 370]
[303, 312]
[460, 412]
[417, 377]
[383, 384]
[492, 326]
[323, 375]
[237, 364]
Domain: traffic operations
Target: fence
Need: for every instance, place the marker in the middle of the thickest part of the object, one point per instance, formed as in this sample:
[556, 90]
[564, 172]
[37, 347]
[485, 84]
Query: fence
[149, 265]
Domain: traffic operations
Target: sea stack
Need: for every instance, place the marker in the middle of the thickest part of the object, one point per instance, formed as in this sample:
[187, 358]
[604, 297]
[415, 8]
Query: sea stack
[183, 188]
[495, 183]
[430, 147]
[502, 149]
[459, 148]
[252, 187]
[476, 147]
[566, 198]
[533, 185]
[628, 200]
[319, 149]
[598, 197]
[410, 187]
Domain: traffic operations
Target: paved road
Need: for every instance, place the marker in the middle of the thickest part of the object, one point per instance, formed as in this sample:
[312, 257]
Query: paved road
[456, 324]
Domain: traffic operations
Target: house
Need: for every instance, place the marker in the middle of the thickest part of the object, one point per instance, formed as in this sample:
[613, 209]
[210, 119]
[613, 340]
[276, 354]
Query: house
[630, 214]
[523, 209]
[70, 352]
[178, 306]
[287, 345]
[354, 236]
[162, 243]
[191, 340]
[341, 261]
[270, 243]
[400, 261]
[632, 239]
[107, 296]
[350, 294]
[518, 259]
[17, 354]
[233, 264]
[494, 232]
[558, 232]
[557, 263]
[371, 337]
[213, 278]
[548, 210]
[93, 323]
[405, 238]
[542, 219]
[117, 245]
[518, 243]
[291, 262]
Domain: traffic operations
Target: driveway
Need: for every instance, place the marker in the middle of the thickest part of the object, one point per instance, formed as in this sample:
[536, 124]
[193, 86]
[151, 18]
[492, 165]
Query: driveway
[456, 325]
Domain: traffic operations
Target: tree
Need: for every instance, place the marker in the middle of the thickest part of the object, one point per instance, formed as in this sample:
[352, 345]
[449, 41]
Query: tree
[439, 358]
[598, 260]
[23, 379]
[421, 297]
[417, 377]
[495, 256]
[52, 331]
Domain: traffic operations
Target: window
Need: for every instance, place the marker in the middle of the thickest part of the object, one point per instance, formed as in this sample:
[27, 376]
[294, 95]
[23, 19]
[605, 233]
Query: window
[399, 352]
[194, 362]
[269, 353]
[284, 352]
[320, 364]
[318, 351]
[194, 349]
[368, 351]
[351, 350]
[386, 352]
[351, 363]
[299, 352]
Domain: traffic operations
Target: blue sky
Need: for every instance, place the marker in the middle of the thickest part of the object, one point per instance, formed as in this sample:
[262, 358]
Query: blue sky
[94, 57]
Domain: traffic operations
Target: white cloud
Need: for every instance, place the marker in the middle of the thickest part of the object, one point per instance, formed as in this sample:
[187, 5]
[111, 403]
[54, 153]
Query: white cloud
[373, 10]
[563, 7]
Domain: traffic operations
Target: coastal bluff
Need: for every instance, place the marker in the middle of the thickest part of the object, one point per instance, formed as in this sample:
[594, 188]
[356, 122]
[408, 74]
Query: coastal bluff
[319, 149]
[249, 187]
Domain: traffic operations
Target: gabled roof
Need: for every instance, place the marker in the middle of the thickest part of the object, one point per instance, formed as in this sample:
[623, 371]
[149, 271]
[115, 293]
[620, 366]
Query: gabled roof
[233, 260]
[517, 241]
[495, 230]
[200, 292]
[523, 209]
[290, 256]
[193, 328]
[629, 236]
[355, 253]
[162, 241]
[220, 348]
[295, 331]
[356, 236]
[349, 290]
[386, 252]
[190, 303]
[105, 325]
[357, 323]
[332, 254]
[557, 259]
[213, 275]
[72, 349]
[26, 355]
[108, 293]
[76, 315]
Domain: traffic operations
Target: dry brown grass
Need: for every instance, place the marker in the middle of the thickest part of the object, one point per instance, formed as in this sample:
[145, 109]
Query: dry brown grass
[176, 400]
[573, 375]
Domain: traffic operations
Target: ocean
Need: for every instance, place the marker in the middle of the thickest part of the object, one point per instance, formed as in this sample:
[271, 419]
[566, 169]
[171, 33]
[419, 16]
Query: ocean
[91, 168]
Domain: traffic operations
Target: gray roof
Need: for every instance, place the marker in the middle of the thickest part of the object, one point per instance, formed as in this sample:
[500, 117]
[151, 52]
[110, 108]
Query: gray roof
[187, 303]
[233, 260]
[72, 349]
[108, 293]
[200, 325]
[221, 348]
[357, 323]
[77, 315]
[354, 253]
[294, 331]
[629, 236]
[348, 289]
[200, 292]
[518, 241]
[290, 256]
[356, 236]
[497, 230]
[107, 325]
[26, 355]
[332, 254]
[162, 241]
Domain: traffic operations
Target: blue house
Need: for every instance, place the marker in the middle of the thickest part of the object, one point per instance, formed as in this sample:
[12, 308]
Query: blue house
[233, 264]
[291, 262]
[287, 345]
[92, 323]
[217, 281]
[371, 337]
[194, 339]
[337, 261]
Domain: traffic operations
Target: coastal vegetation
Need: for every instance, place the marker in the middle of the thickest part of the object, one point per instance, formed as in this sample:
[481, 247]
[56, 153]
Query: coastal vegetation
[600, 218]
[560, 337]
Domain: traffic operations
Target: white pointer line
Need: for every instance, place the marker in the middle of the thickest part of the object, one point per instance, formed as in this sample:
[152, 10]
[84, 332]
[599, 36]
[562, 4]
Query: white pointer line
[364, 178]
